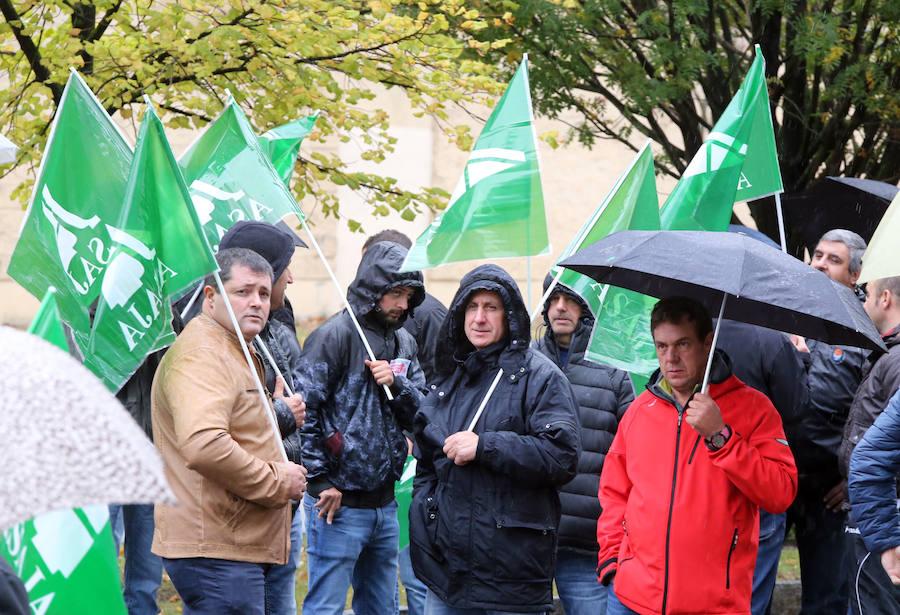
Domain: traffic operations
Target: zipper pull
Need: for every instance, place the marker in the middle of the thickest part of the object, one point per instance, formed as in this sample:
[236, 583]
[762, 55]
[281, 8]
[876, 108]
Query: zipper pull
[680, 417]
[735, 539]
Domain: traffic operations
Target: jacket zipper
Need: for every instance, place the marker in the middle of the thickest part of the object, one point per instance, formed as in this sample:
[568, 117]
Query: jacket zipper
[694, 450]
[671, 508]
[734, 541]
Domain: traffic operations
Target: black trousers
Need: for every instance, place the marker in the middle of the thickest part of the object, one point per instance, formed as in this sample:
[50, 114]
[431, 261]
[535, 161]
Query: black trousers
[871, 590]
[824, 558]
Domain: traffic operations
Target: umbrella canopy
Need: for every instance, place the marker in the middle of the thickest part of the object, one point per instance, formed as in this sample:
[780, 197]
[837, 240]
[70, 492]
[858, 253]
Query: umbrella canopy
[67, 441]
[882, 257]
[763, 285]
[837, 202]
[7, 150]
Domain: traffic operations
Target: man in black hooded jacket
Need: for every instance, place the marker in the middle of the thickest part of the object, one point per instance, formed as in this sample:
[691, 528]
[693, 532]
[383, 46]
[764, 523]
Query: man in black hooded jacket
[485, 509]
[353, 442]
[603, 394]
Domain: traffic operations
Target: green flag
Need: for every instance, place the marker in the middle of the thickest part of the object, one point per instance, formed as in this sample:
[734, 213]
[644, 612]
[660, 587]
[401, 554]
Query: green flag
[621, 333]
[497, 208]
[160, 251]
[231, 177]
[282, 145]
[705, 195]
[631, 204]
[47, 324]
[65, 239]
[403, 489]
[760, 175]
[67, 559]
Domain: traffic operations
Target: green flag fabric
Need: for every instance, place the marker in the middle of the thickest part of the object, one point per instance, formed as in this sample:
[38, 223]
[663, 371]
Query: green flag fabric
[403, 493]
[621, 333]
[631, 204]
[497, 208]
[282, 145]
[47, 324]
[67, 559]
[760, 175]
[231, 177]
[65, 239]
[160, 251]
[705, 195]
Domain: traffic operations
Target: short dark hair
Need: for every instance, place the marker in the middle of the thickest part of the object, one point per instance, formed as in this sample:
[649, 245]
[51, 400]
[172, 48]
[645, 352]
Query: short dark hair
[230, 257]
[388, 235]
[676, 310]
[891, 284]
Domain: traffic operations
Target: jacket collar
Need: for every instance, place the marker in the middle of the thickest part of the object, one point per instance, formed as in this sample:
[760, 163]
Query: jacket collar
[721, 380]
[577, 346]
[216, 331]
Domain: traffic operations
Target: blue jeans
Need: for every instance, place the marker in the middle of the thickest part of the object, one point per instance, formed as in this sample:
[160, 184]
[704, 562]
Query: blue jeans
[435, 606]
[415, 589]
[576, 582]
[143, 569]
[359, 548]
[281, 583]
[771, 539]
[218, 587]
[613, 606]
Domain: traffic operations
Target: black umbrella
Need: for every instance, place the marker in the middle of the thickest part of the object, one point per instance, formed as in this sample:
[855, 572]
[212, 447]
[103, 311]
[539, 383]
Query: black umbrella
[736, 277]
[837, 202]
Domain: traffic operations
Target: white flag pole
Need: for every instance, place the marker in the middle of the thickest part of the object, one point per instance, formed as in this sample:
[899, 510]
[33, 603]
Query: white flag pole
[347, 306]
[193, 300]
[265, 350]
[484, 402]
[259, 386]
[780, 222]
[712, 350]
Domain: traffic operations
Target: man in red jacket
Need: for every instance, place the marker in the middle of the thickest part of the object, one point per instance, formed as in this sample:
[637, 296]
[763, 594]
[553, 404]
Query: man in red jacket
[685, 478]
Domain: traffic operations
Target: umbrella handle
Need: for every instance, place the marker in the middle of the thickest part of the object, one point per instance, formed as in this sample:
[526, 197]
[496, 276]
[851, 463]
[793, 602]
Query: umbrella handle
[712, 350]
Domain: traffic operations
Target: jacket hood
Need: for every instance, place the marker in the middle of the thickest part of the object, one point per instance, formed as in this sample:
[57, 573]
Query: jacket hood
[452, 341]
[585, 323]
[586, 314]
[378, 272]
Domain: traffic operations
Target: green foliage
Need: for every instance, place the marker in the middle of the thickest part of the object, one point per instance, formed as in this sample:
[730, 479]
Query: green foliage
[631, 69]
[280, 59]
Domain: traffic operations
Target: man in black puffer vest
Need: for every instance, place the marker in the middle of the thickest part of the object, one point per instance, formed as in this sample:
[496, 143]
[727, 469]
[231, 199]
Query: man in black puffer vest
[603, 394]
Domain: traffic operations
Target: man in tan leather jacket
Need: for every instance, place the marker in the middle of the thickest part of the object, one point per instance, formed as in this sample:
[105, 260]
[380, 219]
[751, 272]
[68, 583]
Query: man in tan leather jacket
[221, 455]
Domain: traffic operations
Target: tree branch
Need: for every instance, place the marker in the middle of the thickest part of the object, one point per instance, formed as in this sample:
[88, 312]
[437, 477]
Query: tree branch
[32, 53]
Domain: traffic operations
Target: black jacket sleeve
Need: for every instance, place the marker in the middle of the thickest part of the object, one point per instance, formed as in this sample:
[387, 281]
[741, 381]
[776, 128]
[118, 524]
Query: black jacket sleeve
[429, 326]
[624, 390]
[786, 379]
[13, 597]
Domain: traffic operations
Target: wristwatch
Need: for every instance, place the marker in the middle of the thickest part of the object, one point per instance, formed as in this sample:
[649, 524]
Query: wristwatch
[718, 440]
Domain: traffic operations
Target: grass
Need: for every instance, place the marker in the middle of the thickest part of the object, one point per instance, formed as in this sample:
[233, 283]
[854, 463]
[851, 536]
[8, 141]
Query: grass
[170, 603]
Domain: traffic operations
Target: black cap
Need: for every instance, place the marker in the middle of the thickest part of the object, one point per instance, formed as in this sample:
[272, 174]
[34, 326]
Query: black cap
[267, 240]
[281, 224]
